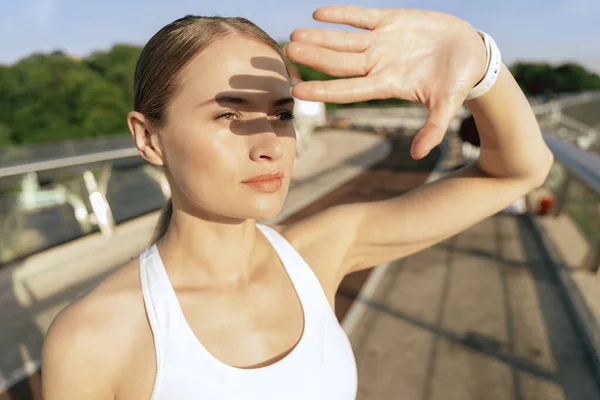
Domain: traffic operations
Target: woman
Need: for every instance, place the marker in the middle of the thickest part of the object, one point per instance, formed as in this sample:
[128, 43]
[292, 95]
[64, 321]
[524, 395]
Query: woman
[224, 308]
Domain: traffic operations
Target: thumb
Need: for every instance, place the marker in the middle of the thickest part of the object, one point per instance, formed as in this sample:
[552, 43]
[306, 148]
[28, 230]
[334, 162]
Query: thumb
[434, 129]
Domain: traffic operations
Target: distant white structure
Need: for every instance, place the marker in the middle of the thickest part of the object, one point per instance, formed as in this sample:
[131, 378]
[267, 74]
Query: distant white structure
[309, 115]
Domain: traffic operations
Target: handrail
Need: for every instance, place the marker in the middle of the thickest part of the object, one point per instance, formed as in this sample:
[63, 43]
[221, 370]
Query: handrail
[583, 165]
[65, 162]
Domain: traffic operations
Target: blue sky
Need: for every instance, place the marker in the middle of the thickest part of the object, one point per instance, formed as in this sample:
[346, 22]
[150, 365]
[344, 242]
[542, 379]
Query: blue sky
[529, 30]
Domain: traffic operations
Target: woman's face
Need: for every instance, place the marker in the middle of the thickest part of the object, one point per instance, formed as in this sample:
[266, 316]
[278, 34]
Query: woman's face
[230, 122]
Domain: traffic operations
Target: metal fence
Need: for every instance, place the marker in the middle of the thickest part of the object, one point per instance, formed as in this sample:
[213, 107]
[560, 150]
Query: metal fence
[45, 203]
[575, 181]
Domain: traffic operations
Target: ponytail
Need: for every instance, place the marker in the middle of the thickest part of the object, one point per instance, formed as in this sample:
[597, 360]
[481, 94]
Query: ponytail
[163, 221]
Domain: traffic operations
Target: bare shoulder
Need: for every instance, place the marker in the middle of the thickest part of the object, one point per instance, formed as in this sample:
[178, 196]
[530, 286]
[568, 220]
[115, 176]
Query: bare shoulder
[85, 343]
[323, 240]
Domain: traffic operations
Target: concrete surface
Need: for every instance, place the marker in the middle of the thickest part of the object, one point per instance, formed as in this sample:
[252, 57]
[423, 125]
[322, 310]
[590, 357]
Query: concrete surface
[478, 316]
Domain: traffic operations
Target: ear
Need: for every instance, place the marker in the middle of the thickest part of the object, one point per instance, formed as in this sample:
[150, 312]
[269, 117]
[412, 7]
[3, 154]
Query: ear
[146, 138]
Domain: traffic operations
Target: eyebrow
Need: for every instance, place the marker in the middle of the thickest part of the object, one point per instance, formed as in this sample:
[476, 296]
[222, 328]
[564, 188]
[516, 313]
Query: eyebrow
[244, 101]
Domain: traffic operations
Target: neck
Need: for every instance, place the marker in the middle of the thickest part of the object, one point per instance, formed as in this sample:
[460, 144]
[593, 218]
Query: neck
[211, 252]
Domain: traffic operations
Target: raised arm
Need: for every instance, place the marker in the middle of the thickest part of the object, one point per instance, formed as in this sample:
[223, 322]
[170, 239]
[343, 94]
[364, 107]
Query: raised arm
[435, 59]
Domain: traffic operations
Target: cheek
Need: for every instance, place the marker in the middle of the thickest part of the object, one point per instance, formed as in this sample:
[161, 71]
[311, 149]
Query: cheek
[289, 147]
[204, 159]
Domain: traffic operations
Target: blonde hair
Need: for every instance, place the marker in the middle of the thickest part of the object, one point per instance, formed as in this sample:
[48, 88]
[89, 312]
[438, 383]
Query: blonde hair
[166, 54]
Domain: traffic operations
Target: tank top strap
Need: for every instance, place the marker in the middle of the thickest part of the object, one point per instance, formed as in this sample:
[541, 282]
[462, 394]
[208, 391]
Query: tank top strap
[159, 297]
[303, 278]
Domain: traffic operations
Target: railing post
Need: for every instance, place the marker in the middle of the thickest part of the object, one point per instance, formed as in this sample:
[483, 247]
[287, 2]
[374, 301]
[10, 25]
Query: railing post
[104, 177]
[79, 208]
[102, 212]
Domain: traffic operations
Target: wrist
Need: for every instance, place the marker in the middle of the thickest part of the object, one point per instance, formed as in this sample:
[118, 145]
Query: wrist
[493, 63]
[496, 95]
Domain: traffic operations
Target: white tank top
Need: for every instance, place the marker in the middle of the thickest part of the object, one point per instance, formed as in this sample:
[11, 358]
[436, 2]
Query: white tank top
[321, 366]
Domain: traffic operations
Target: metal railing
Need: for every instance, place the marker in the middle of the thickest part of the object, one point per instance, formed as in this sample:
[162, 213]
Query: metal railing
[575, 181]
[48, 202]
[46, 165]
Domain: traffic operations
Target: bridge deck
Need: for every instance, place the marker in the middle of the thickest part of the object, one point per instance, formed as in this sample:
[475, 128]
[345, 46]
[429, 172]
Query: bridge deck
[478, 316]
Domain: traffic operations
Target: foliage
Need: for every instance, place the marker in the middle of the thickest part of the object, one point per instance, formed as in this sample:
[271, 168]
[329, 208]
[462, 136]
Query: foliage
[4, 135]
[49, 97]
[544, 79]
[117, 66]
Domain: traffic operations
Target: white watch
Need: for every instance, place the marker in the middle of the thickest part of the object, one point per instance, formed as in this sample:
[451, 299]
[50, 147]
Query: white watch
[492, 67]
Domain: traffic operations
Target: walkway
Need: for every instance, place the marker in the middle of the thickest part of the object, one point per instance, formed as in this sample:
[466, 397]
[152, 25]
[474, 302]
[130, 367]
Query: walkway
[478, 316]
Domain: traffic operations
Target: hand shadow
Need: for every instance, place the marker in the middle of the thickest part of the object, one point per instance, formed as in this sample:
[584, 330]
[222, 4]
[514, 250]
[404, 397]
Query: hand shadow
[259, 93]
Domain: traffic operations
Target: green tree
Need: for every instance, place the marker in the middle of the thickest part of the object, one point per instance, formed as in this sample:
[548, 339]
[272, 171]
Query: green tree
[542, 78]
[56, 97]
[5, 138]
[575, 78]
[537, 79]
[117, 65]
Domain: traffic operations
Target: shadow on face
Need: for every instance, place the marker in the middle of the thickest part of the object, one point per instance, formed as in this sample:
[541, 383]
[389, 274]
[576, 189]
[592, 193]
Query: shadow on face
[251, 92]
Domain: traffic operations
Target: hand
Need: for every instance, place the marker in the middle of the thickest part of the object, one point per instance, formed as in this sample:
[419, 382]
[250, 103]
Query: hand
[417, 55]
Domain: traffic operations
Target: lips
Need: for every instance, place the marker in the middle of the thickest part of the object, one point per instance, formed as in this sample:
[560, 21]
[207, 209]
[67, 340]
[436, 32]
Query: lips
[265, 177]
[269, 182]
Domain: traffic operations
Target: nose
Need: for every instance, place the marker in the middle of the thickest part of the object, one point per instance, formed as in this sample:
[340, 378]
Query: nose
[267, 147]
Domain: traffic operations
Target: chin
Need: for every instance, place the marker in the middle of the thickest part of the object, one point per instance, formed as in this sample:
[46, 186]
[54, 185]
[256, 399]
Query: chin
[264, 208]
[266, 213]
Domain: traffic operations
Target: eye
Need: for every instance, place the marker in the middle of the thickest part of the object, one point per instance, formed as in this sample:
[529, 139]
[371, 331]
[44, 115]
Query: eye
[229, 115]
[286, 115]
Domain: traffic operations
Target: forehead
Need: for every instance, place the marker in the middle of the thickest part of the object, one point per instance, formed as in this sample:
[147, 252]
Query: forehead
[239, 64]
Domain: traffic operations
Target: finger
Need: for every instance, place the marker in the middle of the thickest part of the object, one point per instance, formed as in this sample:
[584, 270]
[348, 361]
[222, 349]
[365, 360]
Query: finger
[329, 61]
[434, 129]
[338, 91]
[353, 42]
[358, 17]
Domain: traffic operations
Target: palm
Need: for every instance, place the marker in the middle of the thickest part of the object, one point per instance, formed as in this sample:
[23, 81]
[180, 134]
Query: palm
[417, 55]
